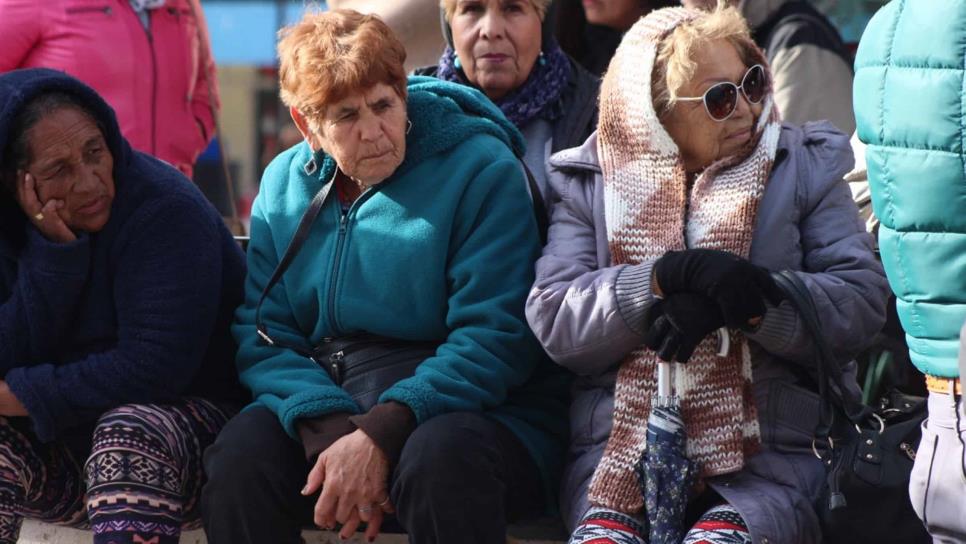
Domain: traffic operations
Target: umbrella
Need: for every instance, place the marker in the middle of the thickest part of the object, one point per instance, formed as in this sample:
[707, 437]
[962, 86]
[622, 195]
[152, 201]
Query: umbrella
[665, 473]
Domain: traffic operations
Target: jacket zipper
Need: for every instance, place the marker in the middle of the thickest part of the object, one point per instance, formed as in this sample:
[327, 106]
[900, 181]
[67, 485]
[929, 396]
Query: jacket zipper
[154, 92]
[908, 450]
[335, 366]
[339, 245]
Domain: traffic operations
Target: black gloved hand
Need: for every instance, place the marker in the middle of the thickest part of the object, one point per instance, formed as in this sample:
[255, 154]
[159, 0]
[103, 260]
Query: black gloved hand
[677, 324]
[738, 287]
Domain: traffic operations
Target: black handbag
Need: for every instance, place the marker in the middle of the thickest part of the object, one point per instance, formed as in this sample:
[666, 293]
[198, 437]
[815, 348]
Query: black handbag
[868, 452]
[365, 365]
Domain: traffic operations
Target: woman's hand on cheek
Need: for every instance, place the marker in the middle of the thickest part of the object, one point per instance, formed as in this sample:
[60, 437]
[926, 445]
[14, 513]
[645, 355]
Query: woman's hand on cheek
[46, 217]
[10, 405]
[354, 476]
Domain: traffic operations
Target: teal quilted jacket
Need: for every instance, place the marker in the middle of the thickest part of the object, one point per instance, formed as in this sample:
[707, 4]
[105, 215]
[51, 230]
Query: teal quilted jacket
[910, 108]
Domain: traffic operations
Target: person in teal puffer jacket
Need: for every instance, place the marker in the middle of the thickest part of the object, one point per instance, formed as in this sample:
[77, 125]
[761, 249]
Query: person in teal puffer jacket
[909, 105]
[428, 234]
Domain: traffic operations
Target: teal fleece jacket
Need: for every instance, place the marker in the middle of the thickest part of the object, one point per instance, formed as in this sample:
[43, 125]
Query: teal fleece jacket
[443, 251]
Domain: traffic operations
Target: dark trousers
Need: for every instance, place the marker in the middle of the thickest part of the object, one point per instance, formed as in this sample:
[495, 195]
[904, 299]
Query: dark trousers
[461, 478]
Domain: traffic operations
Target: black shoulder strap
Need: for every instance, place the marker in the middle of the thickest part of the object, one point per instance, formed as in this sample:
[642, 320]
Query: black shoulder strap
[301, 234]
[831, 382]
[539, 208]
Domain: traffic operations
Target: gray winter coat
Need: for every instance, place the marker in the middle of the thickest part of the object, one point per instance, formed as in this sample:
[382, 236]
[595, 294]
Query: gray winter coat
[587, 312]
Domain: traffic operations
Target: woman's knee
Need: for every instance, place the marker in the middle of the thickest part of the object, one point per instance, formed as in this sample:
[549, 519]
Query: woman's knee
[445, 452]
[144, 429]
[16, 452]
[251, 451]
[447, 443]
[152, 441]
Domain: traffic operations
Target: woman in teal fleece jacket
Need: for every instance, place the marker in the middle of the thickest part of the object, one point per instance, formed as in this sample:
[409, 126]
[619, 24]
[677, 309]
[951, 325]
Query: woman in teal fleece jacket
[427, 235]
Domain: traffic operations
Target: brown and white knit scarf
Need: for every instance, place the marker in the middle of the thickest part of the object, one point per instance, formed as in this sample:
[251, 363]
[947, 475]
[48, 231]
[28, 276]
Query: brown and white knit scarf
[648, 210]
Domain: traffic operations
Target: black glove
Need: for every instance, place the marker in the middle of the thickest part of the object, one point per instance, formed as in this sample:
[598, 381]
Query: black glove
[738, 287]
[677, 324]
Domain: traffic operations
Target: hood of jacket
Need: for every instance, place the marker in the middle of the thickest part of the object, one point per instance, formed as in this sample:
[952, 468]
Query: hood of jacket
[19, 87]
[443, 115]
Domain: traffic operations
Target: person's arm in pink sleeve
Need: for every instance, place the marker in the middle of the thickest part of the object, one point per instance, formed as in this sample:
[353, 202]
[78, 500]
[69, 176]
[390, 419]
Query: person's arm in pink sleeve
[204, 103]
[21, 22]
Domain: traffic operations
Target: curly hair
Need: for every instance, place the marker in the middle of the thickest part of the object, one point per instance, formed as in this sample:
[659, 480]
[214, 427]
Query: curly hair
[328, 55]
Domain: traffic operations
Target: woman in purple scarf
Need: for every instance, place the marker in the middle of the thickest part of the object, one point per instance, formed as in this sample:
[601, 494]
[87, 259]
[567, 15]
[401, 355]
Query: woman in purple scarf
[506, 49]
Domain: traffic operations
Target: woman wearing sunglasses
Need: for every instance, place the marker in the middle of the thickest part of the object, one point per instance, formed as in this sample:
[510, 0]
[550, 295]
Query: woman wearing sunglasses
[665, 226]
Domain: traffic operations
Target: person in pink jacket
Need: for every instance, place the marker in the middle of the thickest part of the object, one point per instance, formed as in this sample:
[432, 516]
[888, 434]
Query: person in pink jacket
[150, 59]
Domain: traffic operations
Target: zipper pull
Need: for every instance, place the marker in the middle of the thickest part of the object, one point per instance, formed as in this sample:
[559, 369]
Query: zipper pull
[343, 222]
[335, 366]
[908, 450]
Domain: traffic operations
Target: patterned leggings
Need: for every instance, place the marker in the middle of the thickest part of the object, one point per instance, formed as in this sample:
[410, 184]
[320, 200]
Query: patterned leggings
[140, 485]
[719, 525]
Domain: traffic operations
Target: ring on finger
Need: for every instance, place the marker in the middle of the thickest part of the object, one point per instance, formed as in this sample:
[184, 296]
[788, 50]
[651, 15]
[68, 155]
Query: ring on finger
[384, 502]
[39, 217]
[364, 509]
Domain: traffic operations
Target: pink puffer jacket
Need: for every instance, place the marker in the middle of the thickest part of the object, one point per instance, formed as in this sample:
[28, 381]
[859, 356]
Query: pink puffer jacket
[157, 81]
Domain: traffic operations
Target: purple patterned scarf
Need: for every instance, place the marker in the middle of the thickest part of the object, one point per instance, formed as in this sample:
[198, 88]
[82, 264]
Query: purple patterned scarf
[539, 96]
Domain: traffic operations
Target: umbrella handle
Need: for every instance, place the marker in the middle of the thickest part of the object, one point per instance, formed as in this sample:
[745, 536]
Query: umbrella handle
[724, 342]
[665, 384]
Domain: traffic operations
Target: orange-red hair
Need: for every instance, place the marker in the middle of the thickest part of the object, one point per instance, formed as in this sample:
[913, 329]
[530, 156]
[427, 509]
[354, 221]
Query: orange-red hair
[329, 55]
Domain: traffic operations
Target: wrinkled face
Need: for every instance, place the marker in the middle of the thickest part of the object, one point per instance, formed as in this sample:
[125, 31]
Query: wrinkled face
[619, 14]
[497, 42]
[365, 133]
[70, 161]
[701, 139]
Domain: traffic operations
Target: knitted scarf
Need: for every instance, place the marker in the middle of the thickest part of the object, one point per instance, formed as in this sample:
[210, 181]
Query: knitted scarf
[539, 96]
[648, 211]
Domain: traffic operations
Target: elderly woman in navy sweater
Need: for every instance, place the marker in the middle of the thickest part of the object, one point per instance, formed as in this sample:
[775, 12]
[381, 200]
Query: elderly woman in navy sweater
[117, 285]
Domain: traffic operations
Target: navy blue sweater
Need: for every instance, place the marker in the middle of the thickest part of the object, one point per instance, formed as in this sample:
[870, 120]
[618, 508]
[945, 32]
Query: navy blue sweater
[136, 313]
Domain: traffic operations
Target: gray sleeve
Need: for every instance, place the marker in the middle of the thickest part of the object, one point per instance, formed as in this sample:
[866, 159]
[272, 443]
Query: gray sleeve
[587, 318]
[847, 283]
[813, 84]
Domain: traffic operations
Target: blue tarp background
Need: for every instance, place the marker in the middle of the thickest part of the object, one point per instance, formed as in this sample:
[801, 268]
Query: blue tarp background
[243, 32]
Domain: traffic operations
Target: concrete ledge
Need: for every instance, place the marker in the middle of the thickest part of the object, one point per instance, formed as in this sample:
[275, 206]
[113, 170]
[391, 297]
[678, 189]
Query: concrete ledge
[540, 532]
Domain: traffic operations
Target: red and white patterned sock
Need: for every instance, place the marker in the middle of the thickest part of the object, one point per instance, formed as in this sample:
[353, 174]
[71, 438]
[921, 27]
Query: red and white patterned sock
[603, 526]
[720, 525]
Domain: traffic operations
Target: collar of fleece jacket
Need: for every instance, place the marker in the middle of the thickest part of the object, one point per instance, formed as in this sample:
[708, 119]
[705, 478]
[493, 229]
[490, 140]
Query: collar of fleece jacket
[443, 114]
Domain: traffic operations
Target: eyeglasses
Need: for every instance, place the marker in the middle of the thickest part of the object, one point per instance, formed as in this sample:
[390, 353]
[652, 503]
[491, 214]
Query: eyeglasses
[721, 99]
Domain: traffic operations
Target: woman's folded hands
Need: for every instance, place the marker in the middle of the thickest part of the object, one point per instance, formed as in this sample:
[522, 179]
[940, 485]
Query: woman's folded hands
[676, 325]
[702, 290]
[353, 474]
